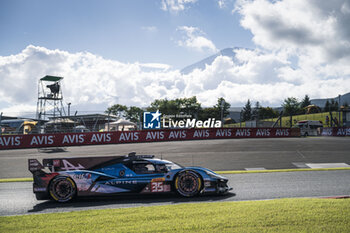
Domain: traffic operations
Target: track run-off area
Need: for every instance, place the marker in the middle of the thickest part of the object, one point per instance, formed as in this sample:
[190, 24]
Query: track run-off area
[219, 155]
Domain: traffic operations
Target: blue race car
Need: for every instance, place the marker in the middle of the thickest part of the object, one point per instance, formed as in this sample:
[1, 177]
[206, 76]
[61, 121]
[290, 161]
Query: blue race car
[63, 179]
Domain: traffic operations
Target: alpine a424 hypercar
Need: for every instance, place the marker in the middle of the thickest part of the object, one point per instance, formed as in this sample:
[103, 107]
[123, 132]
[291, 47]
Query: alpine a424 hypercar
[63, 179]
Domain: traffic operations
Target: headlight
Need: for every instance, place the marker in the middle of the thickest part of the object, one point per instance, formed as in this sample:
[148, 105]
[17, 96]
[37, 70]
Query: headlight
[213, 175]
[216, 176]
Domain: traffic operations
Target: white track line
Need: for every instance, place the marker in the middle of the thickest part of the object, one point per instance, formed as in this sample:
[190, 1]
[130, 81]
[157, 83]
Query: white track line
[255, 168]
[326, 165]
[300, 165]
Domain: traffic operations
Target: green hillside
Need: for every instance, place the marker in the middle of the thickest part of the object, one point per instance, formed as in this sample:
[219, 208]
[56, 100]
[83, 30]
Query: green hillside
[313, 117]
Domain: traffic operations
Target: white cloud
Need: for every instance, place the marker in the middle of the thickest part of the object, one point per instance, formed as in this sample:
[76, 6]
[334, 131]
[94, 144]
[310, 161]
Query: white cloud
[222, 3]
[88, 79]
[93, 83]
[311, 29]
[193, 38]
[176, 5]
[303, 47]
[265, 77]
[156, 66]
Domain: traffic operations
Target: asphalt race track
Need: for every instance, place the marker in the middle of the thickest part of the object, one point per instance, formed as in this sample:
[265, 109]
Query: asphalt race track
[17, 197]
[221, 154]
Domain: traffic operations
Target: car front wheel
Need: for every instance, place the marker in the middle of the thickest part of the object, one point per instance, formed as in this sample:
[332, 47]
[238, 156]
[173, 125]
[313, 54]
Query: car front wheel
[188, 183]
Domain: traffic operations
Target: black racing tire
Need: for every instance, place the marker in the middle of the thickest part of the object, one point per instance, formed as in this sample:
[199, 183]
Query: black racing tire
[188, 183]
[41, 196]
[62, 189]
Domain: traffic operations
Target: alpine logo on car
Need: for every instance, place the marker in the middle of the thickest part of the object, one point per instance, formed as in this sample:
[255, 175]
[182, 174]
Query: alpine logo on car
[116, 182]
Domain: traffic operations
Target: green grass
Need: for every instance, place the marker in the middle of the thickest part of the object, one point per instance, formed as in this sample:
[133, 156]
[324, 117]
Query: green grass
[295, 119]
[282, 215]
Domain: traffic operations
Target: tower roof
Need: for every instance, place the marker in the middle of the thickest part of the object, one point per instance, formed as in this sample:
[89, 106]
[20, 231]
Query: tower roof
[51, 78]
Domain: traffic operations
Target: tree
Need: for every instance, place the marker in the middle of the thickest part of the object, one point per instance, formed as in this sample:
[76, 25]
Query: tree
[117, 109]
[327, 107]
[267, 113]
[305, 102]
[336, 106]
[189, 106]
[225, 108]
[256, 110]
[291, 106]
[133, 114]
[207, 113]
[332, 106]
[215, 111]
[166, 107]
[247, 111]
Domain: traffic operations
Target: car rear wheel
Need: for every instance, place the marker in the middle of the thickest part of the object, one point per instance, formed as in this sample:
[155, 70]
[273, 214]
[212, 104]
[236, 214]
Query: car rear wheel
[62, 189]
[41, 196]
[188, 183]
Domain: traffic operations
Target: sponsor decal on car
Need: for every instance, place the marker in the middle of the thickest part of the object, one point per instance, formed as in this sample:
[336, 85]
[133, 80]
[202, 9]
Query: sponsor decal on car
[122, 173]
[207, 184]
[159, 187]
[116, 182]
[56, 163]
[83, 187]
[158, 179]
[82, 176]
[39, 189]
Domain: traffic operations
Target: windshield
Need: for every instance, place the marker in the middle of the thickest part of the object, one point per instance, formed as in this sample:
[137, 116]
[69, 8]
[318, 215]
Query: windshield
[173, 166]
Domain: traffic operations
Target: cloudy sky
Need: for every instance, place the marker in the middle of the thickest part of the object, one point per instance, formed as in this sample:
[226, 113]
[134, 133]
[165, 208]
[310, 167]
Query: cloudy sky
[131, 52]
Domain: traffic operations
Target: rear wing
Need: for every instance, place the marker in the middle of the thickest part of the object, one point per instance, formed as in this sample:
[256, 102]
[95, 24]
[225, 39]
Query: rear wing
[82, 163]
[34, 165]
[79, 163]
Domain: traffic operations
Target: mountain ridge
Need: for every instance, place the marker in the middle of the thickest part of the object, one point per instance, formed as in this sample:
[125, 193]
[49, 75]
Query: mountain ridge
[345, 98]
[228, 52]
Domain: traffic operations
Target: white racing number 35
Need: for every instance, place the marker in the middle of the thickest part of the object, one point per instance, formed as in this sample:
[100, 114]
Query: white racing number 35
[157, 187]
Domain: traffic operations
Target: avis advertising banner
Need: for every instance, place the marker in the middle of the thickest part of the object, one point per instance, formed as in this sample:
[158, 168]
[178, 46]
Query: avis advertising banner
[80, 139]
[336, 131]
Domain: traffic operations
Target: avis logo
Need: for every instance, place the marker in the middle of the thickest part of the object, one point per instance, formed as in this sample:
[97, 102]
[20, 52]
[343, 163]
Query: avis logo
[151, 120]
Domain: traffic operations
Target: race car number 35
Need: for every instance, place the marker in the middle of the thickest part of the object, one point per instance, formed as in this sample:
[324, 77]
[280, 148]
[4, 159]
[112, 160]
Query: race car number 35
[157, 187]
